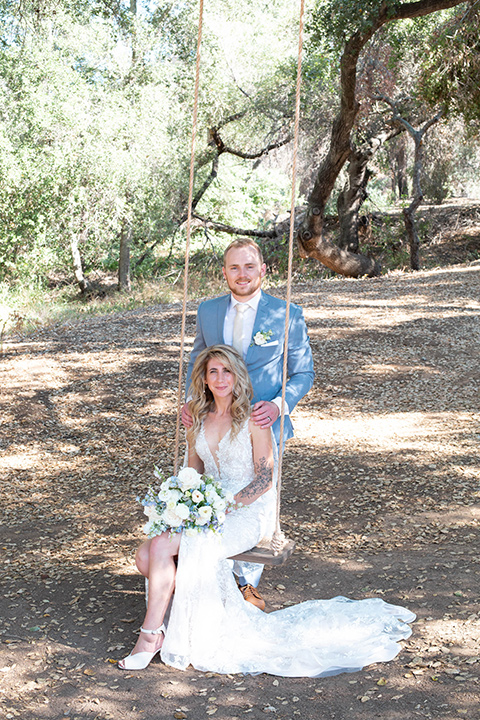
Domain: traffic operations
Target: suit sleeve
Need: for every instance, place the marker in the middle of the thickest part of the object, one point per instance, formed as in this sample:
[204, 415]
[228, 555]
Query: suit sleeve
[300, 360]
[198, 345]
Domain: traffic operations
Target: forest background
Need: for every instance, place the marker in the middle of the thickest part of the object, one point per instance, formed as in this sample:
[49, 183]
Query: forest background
[381, 482]
[95, 125]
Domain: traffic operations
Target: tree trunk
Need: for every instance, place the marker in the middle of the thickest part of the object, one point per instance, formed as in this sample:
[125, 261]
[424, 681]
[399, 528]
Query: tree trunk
[401, 169]
[75, 239]
[354, 192]
[124, 258]
[409, 213]
[412, 234]
[77, 264]
[340, 261]
[350, 201]
[310, 240]
[310, 237]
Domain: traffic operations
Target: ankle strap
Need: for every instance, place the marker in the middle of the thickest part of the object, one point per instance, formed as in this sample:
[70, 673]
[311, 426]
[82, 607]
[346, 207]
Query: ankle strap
[159, 630]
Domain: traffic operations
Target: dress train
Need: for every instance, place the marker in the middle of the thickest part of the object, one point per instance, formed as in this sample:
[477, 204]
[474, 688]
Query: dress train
[213, 629]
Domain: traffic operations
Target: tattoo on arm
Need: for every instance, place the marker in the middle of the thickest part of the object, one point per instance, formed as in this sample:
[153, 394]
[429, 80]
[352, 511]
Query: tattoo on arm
[261, 482]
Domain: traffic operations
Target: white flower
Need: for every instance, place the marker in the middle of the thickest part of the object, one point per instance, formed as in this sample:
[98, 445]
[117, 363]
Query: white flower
[182, 511]
[170, 496]
[259, 339]
[152, 513]
[172, 499]
[219, 504]
[176, 505]
[204, 513]
[147, 528]
[211, 494]
[197, 497]
[171, 519]
[189, 478]
[262, 337]
[190, 532]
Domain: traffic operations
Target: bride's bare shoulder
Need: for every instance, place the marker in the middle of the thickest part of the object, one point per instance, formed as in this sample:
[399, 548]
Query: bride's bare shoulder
[258, 432]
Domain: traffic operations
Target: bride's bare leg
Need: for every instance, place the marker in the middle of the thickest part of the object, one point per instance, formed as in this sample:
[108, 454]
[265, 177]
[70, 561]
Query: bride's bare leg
[155, 560]
[161, 571]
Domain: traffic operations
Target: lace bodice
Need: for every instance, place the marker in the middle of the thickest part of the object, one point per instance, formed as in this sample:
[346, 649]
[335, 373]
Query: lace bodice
[233, 465]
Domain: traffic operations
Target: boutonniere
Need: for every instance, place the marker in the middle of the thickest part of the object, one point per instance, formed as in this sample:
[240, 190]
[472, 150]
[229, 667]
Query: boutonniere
[261, 337]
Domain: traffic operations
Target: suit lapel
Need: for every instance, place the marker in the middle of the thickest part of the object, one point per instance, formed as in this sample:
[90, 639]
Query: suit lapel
[261, 323]
[222, 308]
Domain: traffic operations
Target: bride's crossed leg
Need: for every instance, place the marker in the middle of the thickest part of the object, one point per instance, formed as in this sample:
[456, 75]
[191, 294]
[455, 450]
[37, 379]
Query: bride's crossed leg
[155, 559]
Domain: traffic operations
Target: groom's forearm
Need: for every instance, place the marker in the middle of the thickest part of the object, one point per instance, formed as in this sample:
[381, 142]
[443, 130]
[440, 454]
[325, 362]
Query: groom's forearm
[297, 387]
[300, 362]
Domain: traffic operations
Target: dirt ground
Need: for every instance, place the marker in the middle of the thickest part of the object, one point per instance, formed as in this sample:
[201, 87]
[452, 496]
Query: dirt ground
[380, 491]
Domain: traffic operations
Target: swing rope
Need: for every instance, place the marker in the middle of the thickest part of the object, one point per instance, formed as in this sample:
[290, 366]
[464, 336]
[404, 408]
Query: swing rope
[189, 224]
[278, 541]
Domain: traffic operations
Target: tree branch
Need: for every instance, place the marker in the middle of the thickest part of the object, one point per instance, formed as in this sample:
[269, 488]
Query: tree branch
[398, 118]
[221, 147]
[421, 8]
[232, 118]
[213, 174]
[230, 230]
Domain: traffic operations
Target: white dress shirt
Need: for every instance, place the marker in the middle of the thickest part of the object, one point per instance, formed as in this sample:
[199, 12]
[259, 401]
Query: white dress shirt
[249, 316]
[248, 322]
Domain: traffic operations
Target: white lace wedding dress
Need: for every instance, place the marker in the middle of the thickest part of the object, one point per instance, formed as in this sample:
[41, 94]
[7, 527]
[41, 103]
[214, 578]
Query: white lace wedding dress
[211, 626]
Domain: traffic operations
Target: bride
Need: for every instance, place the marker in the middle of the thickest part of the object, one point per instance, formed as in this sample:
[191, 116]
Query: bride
[210, 626]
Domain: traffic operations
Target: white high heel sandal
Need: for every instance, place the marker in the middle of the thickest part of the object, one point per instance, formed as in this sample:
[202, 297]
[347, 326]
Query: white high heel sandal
[141, 660]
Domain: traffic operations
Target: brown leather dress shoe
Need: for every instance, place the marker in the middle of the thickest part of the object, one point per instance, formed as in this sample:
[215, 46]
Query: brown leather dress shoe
[251, 595]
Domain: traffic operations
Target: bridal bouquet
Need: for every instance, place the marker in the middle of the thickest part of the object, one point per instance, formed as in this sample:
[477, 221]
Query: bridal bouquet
[187, 501]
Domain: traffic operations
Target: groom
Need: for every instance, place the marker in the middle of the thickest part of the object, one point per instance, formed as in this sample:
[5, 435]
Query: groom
[254, 324]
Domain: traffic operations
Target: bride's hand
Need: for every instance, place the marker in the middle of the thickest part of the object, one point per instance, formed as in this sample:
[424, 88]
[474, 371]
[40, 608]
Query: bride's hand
[233, 506]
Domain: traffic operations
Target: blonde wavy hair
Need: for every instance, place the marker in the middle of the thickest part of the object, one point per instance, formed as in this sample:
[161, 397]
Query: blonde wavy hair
[202, 401]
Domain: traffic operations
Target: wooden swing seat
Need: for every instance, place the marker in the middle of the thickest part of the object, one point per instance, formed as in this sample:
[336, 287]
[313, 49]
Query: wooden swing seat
[265, 555]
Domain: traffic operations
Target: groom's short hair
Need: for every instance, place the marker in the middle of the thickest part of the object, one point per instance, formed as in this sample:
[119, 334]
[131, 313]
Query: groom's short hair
[243, 242]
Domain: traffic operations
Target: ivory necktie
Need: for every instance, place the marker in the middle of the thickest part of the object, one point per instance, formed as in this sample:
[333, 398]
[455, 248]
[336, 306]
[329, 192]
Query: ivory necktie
[237, 341]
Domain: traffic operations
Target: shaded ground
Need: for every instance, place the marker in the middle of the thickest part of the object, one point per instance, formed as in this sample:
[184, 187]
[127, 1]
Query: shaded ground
[381, 492]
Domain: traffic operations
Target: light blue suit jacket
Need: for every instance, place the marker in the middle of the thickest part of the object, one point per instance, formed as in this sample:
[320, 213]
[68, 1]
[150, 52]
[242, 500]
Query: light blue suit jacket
[264, 362]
